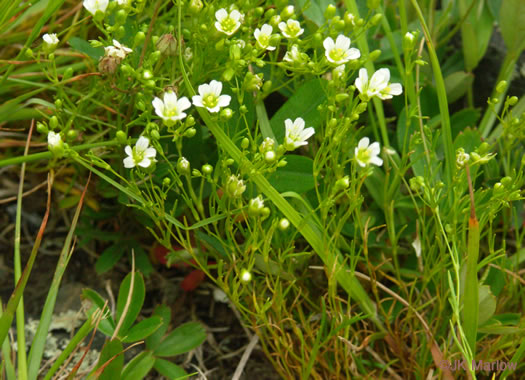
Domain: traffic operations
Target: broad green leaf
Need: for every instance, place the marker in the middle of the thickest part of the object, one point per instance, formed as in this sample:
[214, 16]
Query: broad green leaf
[457, 84]
[469, 140]
[154, 339]
[314, 9]
[302, 104]
[183, 339]
[142, 260]
[467, 117]
[487, 304]
[139, 366]
[476, 31]
[84, 47]
[109, 257]
[295, 176]
[143, 329]
[512, 24]
[170, 370]
[137, 300]
[112, 350]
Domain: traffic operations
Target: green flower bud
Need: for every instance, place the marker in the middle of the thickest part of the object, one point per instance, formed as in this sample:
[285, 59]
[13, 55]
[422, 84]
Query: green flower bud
[374, 55]
[245, 143]
[256, 206]
[219, 46]
[372, 4]
[339, 98]
[361, 107]
[229, 161]
[228, 74]
[288, 12]
[342, 183]
[196, 173]
[265, 212]
[121, 16]
[409, 41]
[190, 133]
[330, 12]
[376, 19]
[183, 166]
[207, 169]
[282, 163]
[166, 181]
[68, 74]
[417, 183]
[155, 135]
[139, 39]
[506, 181]
[72, 134]
[28, 53]
[270, 156]
[246, 276]
[338, 25]
[512, 100]
[284, 224]
[58, 103]
[495, 100]
[53, 122]
[501, 87]
[154, 57]
[42, 128]
[332, 123]
[122, 137]
[349, 20]
[190, 121]
[243, 109]
[195, 6]
[225, 114]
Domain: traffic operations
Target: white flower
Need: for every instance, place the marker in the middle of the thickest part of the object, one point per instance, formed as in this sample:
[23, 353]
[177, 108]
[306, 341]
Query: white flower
[263, 36]
[256, 204]
[210, 97]
[228, 23]
[50, 39]
[378, 85]
[117, 50]
[416, 244]
[124, 3]
[140, 155]
[291, 28]
[92, 6]
[54, 140]
[219, 296]
[188, 54]
[235, 186]
[339, 52]
[296, 134]
[171, 109]
[367, 153]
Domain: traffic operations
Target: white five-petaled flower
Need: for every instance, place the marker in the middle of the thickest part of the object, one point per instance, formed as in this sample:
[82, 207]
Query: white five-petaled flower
[53, 140]
[92, 6]
[296, 134]
[141, 154]
[117, 50]
[378, 85]
[210, 97]
[228, 23]
[366, 153]
[50, 39]
[339, 52]
[291, 28]
[293, 55]
[263, 36]
[171, 109]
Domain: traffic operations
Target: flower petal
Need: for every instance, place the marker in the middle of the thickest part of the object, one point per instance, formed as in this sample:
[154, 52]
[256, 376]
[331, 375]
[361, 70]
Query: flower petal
[159, 106]
[396, 89]
[221, 14]
[197, 101]
[170, 100]
[374, 149]
[184, 104]
[150, 152]
[224, 101]
[328, 43]
[363, 143]
[129, 163]
[376, 161]
[128, 150]
[142, 143]
[145, 162]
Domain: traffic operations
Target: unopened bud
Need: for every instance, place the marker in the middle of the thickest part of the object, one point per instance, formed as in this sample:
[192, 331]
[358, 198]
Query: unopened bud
[167, 45]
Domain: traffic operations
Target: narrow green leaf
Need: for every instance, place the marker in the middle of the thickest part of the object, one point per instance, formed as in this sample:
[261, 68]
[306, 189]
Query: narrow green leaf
[137, 300]
[112, 350]
[154, 339]
[109, 257]
[143, 329]
[512, 24]
[170, 370]
[183, 339]
[85, 47]
[457, 84]
[139, 366]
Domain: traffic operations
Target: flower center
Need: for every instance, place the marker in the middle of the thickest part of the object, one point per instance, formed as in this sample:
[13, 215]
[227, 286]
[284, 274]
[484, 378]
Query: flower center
[292, 30]
[228, 25]
[210, 100]
[171, 112]
[138, 155]
[264, 40]
[337, 54]
[363, 155]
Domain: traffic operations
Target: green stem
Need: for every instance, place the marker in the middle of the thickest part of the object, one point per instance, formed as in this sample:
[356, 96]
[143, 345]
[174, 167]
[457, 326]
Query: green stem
[362, 42]
[442, 98]
[48, 155]
[490, 115]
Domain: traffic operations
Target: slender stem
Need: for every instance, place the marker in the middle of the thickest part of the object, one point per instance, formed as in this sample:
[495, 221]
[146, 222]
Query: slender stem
[442, 98]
